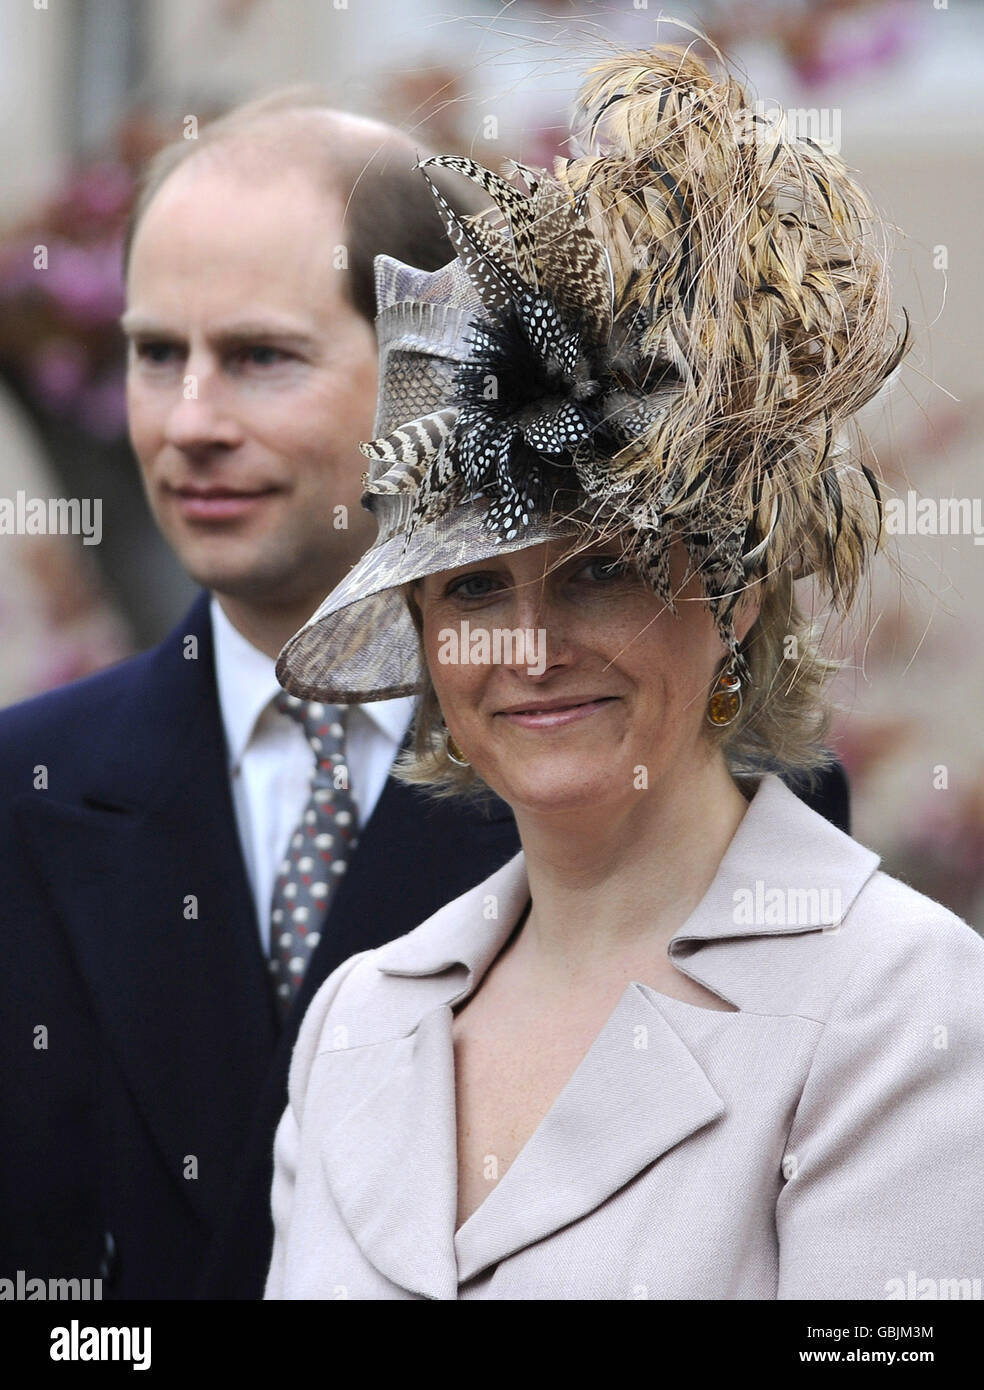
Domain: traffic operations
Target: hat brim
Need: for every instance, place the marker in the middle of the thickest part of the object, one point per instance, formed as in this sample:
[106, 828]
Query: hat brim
[361, 644]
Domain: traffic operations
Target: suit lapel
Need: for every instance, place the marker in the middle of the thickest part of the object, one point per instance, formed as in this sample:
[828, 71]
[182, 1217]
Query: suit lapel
[147, 880]
[415, 854]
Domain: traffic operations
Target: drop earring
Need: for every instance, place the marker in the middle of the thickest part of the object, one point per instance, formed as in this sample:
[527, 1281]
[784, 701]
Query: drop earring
[453, 752]
[724, 706]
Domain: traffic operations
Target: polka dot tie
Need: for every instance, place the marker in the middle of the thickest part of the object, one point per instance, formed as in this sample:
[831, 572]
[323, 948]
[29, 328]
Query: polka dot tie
[318, 851]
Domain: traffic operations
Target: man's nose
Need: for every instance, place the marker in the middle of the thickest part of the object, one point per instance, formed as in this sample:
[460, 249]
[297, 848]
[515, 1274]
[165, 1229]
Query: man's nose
[202, 417]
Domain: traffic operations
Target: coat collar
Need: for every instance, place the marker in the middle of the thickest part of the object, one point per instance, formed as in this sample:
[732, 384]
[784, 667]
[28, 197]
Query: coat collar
[391, 1160]
[818, 861]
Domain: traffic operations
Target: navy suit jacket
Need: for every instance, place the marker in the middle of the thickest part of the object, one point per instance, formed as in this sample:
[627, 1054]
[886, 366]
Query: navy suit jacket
[143, 1068]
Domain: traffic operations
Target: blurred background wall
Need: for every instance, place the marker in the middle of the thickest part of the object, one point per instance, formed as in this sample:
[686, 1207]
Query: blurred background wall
[89, 88]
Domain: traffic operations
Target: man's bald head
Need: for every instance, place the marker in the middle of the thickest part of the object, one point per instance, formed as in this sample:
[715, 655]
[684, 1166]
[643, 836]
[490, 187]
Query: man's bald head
[364, 164]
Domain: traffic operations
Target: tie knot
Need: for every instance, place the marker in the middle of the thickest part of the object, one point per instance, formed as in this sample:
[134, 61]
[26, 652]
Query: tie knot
[323, 725]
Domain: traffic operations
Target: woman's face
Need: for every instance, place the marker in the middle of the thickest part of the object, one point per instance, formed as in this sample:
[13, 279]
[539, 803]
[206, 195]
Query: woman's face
[614, 683]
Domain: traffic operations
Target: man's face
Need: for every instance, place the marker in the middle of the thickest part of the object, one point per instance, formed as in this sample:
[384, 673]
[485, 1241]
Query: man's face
[250, 381]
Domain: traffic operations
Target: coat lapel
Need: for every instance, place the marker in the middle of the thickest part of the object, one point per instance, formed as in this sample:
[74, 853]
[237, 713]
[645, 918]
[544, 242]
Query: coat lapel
[391, 1157]
[147, 881]
[390, 1160]
[638, 1091]
[391, 1163]
[788, 870]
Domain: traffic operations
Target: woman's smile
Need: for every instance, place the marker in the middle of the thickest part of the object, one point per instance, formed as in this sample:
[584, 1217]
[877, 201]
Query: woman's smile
[550, 714]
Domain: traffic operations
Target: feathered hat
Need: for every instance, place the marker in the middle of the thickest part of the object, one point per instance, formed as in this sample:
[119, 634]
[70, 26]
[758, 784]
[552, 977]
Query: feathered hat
[664, 340]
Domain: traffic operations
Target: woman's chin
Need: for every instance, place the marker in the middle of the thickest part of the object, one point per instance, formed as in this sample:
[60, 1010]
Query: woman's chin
[553, 786]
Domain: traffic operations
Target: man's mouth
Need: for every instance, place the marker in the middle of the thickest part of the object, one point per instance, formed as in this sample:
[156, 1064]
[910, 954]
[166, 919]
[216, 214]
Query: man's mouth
[218, 503]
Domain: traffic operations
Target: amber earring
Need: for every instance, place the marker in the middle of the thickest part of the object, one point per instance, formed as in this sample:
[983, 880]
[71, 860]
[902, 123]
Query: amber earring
[454, 753]
[724, 706]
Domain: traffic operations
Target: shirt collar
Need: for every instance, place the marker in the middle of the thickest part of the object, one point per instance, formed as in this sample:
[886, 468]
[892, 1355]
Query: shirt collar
[781, 843]
[391, 717]
[246, 679]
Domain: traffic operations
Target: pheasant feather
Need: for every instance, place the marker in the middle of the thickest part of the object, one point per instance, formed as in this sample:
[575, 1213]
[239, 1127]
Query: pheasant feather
[679, 324]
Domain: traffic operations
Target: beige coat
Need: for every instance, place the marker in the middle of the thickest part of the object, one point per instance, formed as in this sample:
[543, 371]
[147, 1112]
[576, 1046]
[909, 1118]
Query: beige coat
[826, 1141]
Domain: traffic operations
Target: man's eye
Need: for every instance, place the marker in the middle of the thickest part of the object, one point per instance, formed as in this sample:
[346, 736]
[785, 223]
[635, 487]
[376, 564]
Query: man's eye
[157, 354]
[260, 355]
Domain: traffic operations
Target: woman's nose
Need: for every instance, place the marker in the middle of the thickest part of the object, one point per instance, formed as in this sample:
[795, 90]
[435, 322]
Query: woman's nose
[544, 624]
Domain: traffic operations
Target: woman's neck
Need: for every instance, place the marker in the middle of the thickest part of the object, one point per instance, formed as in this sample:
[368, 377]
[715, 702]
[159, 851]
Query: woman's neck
[621, 882]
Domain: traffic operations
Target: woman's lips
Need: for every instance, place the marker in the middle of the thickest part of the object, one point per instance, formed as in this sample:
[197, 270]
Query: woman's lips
[220, 504]
[552, 718]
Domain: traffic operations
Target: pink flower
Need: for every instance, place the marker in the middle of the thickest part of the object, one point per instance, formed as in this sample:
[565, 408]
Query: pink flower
[58, 373]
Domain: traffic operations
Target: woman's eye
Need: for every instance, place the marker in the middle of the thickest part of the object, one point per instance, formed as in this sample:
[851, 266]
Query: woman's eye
[469, 586]
[607, 567]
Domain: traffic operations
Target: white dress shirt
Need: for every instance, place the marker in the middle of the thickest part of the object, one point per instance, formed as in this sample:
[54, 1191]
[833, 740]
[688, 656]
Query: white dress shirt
[270, 761]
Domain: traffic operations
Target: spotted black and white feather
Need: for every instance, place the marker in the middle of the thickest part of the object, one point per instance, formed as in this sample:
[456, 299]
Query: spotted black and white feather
[677, 326]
